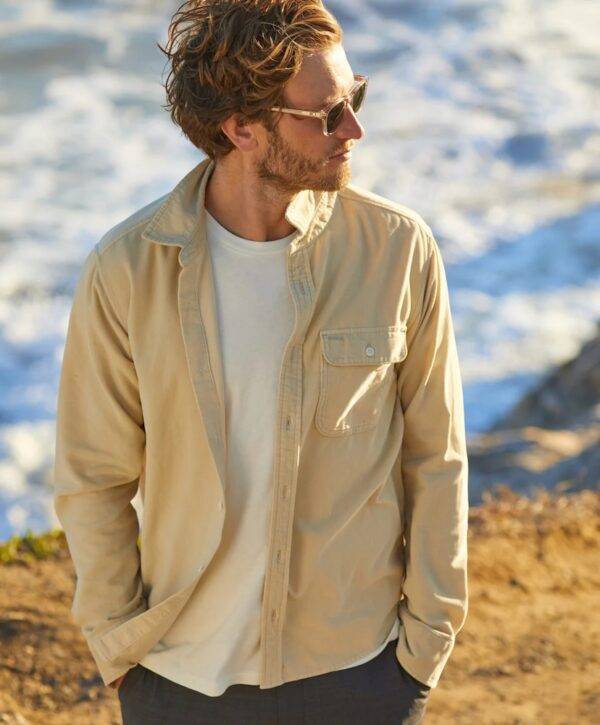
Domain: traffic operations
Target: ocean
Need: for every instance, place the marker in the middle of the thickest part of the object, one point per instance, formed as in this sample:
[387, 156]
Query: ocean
[481, 115]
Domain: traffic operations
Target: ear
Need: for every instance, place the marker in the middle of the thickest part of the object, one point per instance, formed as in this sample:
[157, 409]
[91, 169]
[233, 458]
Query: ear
[241, 133]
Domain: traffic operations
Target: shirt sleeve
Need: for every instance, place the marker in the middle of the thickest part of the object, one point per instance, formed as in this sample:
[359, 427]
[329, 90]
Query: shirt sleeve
[434, 473]
[100, 443]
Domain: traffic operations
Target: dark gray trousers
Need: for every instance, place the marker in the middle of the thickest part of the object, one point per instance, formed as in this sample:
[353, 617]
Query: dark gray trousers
[376, 692]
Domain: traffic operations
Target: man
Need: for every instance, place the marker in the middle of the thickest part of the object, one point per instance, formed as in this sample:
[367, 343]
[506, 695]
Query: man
[267, 354]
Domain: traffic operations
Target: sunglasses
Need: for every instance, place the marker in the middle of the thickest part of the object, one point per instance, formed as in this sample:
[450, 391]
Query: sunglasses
[331, 116]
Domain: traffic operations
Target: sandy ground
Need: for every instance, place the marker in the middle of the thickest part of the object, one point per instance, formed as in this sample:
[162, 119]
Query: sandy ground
[528, 653]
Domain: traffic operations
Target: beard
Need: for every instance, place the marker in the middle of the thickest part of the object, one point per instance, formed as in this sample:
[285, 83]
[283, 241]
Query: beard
[288, 171]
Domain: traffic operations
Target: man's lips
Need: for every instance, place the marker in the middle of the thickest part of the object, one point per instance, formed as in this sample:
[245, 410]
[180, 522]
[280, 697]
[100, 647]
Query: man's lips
[341, 153]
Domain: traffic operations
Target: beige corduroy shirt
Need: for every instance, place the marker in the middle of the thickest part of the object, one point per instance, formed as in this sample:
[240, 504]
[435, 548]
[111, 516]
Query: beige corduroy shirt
[369, 510]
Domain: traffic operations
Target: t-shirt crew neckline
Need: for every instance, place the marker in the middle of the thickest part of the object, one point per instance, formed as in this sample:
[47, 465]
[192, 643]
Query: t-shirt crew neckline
[243, 245]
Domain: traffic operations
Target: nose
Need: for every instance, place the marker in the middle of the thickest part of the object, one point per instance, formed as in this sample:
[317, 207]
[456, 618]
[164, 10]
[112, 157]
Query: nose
[350, 126]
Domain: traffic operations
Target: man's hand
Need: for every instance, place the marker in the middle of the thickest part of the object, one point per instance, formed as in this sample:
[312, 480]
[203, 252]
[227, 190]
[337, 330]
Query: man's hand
[116, 683]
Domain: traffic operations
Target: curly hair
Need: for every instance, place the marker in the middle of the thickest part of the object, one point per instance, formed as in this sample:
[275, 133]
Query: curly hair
[235, 56]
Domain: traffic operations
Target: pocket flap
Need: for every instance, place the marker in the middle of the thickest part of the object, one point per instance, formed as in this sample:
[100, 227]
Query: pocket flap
[364, 345]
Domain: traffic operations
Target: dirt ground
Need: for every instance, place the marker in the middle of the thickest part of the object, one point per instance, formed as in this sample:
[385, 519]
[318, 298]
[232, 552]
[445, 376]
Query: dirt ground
[528, 653]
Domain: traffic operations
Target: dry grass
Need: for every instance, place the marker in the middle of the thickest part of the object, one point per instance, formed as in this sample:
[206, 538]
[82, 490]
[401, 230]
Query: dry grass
[528, 652]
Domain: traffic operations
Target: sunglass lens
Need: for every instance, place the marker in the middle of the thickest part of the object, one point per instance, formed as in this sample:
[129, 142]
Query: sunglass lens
[359, 97]
[335, 116]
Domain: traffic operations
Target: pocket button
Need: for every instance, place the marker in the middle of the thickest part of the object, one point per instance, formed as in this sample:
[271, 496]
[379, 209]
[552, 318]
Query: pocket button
[370, 350]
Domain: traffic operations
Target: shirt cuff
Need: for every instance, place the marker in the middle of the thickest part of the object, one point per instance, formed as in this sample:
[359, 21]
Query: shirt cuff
[421, 650]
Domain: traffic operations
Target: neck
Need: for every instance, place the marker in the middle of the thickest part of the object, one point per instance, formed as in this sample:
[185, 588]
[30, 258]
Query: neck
[243, 204]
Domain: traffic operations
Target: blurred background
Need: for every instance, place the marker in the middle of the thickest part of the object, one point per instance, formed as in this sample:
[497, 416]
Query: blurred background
[482, 115]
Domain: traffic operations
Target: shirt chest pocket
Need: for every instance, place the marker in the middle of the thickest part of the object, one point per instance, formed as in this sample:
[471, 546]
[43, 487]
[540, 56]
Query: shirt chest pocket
[357, 376]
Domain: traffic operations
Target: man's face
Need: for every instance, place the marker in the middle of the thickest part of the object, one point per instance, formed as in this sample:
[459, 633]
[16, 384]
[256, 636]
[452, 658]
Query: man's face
[297, 155]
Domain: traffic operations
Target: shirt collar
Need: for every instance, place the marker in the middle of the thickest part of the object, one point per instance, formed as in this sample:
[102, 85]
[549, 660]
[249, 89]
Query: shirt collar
[182, 213]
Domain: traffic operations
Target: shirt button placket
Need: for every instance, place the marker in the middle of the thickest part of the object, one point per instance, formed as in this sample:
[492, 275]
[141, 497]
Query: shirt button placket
[290, 400]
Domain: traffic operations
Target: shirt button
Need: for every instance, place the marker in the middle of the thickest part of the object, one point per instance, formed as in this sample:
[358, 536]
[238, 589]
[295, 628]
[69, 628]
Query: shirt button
[279, 557]
[288, 423]
[221, 505]
[370, 350]
[273, 615]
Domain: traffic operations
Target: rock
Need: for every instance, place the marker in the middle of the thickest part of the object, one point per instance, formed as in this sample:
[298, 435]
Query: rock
[550, 439]
[568, 396]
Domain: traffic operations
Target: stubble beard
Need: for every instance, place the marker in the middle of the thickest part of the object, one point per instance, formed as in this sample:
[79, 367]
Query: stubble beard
[289, 172]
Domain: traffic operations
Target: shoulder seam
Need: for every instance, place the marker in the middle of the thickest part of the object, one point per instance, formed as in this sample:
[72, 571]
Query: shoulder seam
[120, 236]
[388, 207]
